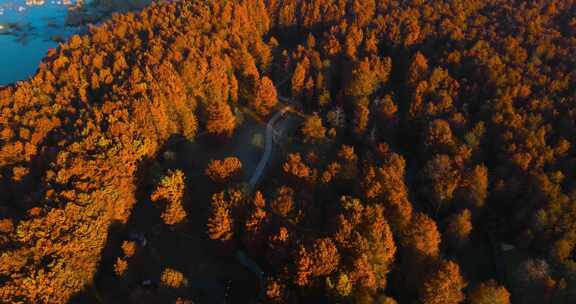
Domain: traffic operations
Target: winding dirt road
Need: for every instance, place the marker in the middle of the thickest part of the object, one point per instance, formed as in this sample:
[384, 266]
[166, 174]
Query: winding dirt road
[268, 147]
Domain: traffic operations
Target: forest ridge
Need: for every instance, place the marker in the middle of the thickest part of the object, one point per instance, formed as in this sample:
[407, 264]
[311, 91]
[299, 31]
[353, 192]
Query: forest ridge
[427, 155]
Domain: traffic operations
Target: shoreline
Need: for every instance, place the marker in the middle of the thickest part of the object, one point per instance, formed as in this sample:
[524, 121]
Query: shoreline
[31, 38]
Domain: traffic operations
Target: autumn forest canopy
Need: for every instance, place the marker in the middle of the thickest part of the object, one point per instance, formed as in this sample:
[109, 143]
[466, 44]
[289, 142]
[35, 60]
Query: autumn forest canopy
[297, 151]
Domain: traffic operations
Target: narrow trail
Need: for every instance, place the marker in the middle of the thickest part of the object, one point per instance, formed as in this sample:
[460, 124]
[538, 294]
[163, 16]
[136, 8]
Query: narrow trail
[268, 147]
[241, 256]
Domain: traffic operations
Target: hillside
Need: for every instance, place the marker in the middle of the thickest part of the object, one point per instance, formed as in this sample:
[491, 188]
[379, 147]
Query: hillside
[308, 151]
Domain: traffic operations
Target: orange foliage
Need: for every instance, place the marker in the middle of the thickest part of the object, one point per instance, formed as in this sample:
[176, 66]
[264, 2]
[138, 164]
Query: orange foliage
[120, 267]
[489, 292]
[284, 201]
[170, 191]
[295, 167]
[221, 120]
[313, 129]
[492, 99]
[422, 236]
[172, 278]
[266, 97]
[459, 228]
[443, 285]
[128, 248]
[223, 170]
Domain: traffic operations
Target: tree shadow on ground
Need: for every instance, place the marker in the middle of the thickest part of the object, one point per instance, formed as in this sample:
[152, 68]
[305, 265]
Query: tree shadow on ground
[213, 276]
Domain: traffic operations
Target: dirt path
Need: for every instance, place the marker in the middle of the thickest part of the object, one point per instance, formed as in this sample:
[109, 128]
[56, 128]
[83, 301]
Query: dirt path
[268, 147]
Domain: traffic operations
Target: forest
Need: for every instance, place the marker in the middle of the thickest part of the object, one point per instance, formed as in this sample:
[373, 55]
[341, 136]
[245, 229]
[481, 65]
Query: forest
[408, 151]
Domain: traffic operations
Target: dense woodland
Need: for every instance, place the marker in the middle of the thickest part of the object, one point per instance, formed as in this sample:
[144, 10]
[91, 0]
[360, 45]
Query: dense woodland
[429, 134]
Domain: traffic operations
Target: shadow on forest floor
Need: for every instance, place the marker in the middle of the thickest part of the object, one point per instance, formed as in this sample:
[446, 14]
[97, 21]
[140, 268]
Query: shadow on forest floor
[214, 276]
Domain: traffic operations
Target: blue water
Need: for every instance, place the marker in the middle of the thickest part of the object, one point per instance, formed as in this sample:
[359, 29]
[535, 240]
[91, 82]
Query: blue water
[26, 33]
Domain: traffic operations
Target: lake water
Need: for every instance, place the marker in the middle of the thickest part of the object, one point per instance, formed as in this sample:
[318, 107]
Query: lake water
[27, 30]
